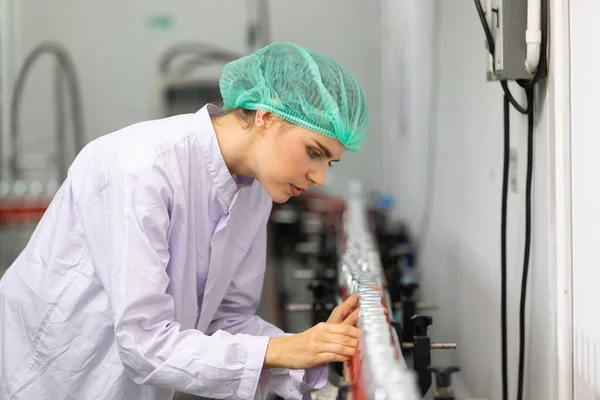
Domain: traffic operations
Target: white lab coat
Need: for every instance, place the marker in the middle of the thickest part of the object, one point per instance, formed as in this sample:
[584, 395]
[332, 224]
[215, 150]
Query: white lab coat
[143, 278]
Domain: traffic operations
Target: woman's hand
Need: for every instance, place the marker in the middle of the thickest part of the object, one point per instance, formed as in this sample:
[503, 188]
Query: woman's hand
[346, 313]
[321, 344]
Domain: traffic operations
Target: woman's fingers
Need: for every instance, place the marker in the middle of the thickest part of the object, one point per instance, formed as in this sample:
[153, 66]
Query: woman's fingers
[341, 312]
[343, 329]
[352, 319]
[350, 304]
[332, 357]
[337, 348]
[341, 339]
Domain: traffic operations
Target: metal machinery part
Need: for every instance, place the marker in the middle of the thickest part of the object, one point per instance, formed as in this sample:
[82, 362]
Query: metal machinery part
[190, 71]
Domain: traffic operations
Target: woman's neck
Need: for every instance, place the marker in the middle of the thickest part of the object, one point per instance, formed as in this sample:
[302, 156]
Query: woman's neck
[236, 144]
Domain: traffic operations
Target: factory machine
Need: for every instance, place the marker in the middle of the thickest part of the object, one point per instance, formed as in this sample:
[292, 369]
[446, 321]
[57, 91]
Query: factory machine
[23, 199]
[351, 247]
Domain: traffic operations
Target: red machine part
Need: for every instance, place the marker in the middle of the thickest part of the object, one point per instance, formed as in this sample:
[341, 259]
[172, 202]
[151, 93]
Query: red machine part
[22, 210]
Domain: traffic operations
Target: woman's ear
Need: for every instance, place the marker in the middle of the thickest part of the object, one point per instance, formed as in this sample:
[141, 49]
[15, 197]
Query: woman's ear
[264, 119]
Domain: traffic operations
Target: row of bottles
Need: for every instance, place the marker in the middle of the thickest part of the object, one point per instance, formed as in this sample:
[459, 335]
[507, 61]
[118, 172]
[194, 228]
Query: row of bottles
[24, 202]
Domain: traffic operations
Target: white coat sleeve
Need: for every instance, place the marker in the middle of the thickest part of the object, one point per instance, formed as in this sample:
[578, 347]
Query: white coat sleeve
[237, 314]
[125, 228]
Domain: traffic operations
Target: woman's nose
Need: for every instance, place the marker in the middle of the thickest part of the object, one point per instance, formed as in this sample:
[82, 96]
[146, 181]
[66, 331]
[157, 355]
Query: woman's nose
[318, 177]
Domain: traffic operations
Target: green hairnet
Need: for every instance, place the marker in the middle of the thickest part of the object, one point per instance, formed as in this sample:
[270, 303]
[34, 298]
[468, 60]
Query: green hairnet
[302, 87]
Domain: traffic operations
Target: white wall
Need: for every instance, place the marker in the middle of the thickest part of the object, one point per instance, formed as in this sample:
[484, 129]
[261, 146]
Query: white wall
[585, 97]
[116, 54]
[427, 53]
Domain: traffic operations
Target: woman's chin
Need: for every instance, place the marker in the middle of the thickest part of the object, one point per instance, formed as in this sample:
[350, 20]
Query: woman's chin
[278, 195]
[279, 198]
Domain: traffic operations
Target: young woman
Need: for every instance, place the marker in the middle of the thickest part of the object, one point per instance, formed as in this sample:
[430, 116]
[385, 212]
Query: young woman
[145, 272]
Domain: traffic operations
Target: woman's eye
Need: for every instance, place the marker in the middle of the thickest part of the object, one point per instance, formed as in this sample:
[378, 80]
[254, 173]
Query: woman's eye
[330, 164]
[312, 153]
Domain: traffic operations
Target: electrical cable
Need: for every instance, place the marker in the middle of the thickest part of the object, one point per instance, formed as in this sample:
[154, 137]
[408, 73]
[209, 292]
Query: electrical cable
[486, 28]
[505, 172]
[511, 99]
[529, 90]
[528, 85]
[528, 187]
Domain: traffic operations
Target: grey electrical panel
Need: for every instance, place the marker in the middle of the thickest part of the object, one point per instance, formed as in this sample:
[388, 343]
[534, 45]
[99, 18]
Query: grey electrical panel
[508, 22]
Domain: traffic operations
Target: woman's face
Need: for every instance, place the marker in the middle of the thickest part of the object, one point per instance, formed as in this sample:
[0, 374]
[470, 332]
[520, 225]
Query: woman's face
[291, 158]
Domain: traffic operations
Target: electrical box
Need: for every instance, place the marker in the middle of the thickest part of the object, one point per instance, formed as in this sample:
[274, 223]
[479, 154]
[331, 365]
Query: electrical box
[507, 20]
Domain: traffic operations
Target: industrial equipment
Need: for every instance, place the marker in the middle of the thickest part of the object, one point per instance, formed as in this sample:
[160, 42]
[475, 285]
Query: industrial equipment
[190, 71]
[24, 201]
[349, 247]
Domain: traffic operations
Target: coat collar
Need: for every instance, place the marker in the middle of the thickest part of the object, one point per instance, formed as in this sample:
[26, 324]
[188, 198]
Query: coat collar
[226, 184]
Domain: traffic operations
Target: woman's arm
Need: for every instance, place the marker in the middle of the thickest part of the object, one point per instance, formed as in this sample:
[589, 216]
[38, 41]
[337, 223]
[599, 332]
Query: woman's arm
[237, 314]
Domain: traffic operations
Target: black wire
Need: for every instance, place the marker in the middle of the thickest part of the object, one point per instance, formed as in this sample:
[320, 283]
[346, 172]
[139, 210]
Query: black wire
[541, 71]
[529, 111]
[511, 99]
[486, 27]
[505, 170]
[507, 100]
[530, 123]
